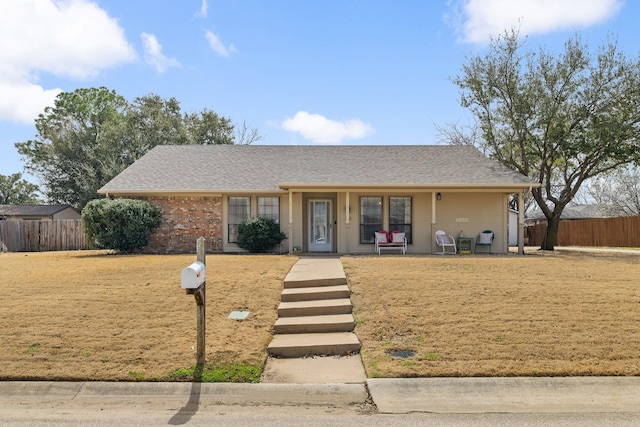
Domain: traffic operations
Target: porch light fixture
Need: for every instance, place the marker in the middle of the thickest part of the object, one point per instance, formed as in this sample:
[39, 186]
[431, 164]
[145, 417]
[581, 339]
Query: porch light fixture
[438, 196]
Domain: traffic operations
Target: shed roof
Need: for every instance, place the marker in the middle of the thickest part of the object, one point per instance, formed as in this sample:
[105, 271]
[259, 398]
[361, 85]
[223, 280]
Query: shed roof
[574, 211]
[31, 210]
[265, 168]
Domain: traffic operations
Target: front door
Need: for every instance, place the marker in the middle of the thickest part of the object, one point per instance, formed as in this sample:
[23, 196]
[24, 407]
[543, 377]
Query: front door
[320, 226]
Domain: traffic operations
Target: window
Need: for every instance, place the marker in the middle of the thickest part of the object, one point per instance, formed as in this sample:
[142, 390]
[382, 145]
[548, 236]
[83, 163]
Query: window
[370, 218]
[269, 207]
[400, 215]
[239, 211]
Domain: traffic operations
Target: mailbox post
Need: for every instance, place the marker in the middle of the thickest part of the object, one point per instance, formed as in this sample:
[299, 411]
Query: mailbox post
[193, 279]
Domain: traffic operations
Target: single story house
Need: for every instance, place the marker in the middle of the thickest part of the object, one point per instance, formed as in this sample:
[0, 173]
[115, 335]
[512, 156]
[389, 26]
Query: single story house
[325, 198]
[37, 212]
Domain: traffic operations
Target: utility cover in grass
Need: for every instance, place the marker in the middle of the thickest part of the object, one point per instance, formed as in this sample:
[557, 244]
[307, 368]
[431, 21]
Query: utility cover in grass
[401, 353]
[238, 315]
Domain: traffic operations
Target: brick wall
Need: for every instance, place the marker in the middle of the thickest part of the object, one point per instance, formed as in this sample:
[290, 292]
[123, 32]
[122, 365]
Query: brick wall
[184, 219]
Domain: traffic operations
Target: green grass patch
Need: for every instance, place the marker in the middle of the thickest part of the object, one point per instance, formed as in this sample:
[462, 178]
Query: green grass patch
[218, 374]
[32, 348]
[138, 376]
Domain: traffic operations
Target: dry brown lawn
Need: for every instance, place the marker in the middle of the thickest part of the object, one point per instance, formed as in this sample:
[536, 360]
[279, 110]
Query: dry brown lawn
[95, 316]
[90, 315]
[562, 313]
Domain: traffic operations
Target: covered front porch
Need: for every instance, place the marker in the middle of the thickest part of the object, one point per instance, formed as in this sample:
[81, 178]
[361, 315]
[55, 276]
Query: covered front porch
[344, 220]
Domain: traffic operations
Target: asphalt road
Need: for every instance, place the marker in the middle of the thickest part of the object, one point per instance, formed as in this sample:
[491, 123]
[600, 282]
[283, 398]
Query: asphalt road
[171, 413]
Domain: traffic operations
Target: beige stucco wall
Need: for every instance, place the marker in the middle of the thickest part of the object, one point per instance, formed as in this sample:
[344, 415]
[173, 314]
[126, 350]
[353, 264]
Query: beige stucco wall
[421, 221]
[469, 212]
[473, 213]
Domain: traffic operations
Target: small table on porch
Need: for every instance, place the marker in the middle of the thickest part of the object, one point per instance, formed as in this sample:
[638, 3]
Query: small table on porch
[465, 245]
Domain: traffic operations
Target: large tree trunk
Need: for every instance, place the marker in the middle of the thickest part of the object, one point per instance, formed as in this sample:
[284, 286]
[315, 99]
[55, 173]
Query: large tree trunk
[551, 235]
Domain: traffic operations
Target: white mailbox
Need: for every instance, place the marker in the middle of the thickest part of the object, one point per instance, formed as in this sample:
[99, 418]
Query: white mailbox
[193, 276]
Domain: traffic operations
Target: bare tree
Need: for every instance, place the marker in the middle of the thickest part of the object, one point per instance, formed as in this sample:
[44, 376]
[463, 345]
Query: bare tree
[618, 192]
[246, 135]
[561, 120]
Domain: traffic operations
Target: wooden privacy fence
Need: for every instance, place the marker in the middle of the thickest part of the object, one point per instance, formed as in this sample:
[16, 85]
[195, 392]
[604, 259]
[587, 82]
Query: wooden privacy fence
[612, 232]
[40, 236]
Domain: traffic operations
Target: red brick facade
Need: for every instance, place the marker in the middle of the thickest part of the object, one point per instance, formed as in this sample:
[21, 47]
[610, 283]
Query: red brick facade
[184, 219]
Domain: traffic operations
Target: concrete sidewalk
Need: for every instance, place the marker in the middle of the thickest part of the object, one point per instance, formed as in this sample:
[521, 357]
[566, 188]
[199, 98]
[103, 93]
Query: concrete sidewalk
[506, 395]
[74, 393]
[391, 396]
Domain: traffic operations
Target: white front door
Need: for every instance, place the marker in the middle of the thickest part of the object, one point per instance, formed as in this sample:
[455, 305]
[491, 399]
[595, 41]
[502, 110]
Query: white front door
[320, 226]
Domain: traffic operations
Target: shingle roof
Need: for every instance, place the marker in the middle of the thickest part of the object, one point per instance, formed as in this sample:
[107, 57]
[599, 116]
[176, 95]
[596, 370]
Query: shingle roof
[220, 168]
[574, 211]
[31, 210]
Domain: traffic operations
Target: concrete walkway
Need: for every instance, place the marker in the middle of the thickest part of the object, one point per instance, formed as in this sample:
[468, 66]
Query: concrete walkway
[346, 369]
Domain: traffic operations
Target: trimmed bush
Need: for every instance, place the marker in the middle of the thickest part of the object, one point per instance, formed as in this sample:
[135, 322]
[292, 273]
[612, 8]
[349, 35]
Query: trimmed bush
[259, 235]
[121, 224]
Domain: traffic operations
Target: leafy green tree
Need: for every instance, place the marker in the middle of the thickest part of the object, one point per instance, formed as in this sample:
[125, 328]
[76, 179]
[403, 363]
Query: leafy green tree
[560, 119]
[151, 121]
[121, 224]
[17, 191]
[208, 128]
[91, 135]
[78, 145]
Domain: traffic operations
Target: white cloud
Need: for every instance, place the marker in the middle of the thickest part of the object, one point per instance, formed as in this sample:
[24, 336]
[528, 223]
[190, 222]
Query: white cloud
[153, 55]
[320, 129]
[217, 46]
[477, 20]
[73, 39]
[22, 101]
[204, 8]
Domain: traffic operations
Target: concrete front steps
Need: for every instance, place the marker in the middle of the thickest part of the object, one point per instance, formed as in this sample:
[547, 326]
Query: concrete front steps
[315, 315]
[325, 344]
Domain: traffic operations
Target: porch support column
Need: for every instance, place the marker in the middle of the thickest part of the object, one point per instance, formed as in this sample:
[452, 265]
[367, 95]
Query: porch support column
[347, 213]
[521, 222]
[346, 206]
[290, 222]
[433, 208]
[433, 220]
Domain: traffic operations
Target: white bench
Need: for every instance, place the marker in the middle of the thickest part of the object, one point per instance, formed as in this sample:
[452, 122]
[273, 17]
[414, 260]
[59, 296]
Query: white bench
[386, 240]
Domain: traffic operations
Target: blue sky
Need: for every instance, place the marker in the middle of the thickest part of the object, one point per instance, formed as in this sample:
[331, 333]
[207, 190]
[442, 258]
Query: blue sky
[302, 72]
